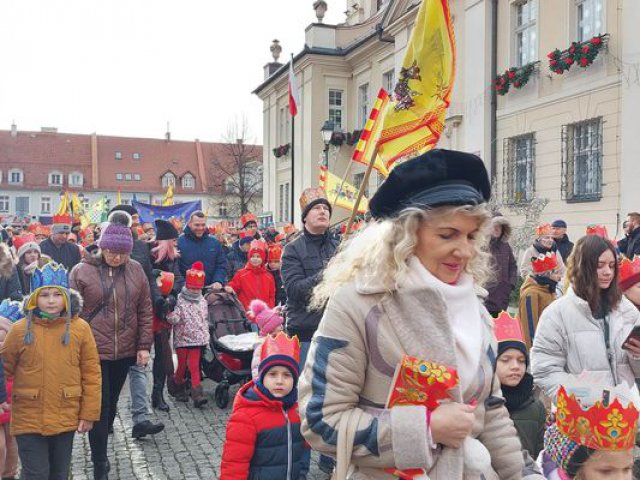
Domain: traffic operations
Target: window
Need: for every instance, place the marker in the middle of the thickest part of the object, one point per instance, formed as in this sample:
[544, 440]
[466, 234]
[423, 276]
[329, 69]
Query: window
[582, 160]
[4, 203]
[363, 104]
[168, 179]
[119, 176]
[45, 205]
[85, 203]
[128, 177]
[137, 177]
[335, 108]
[75, 179]
[284, 132]
[283, 213]
[15, 176]
[188, 181]
[389, 81]
[136, 156]
[525, 32]
[118, 155]
[22, 206]
[519, 169]
[589, 18]
[222, 210]
[55, 179]
[358, 178]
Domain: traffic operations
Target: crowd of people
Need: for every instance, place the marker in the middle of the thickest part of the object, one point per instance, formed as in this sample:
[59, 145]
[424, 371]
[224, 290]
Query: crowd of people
[396, 353]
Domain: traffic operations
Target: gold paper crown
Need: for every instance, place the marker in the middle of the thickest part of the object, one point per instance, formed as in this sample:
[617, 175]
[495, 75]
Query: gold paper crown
[311, 194]
[543, 230]
[600, 427]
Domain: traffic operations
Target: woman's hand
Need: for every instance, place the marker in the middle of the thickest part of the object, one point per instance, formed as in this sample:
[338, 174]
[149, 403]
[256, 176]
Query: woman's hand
[451, 423]
[84, 426]
[143, 358]
[633, 347]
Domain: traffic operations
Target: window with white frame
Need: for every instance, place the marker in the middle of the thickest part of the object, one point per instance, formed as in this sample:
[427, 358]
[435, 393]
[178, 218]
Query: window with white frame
[358, 178]
[222, 210]
[55, 178]
[136, 156]
[582, 160]
[589, 18]
[336, 108]
[363, 104]
[15, 176]
[389, 81]
[519, 169]
[45, 205]
[137, 177]
[119, 176]
[128, 177]
[284, 125]
[76, 179]
[283, 198]
[22, 206]
[188, 181]
[525, 33]
[4, 203]
[117, 155]
[85, 203]
[168, 179]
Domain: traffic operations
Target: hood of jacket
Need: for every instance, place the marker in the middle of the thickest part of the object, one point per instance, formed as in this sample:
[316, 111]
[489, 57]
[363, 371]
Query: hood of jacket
[75, 303]
[6, 261]
[506, 227]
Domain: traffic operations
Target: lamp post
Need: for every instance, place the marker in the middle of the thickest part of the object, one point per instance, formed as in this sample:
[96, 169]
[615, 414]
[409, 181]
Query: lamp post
[327, 132]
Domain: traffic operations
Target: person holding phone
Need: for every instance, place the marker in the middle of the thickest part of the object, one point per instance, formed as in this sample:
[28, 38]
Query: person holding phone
[588, 328]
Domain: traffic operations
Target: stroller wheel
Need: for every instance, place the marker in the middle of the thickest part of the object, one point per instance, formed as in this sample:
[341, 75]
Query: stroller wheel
[222, 395]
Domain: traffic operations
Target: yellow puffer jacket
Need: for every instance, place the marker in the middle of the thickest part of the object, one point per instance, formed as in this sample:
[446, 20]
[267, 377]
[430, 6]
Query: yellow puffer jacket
[55, 385]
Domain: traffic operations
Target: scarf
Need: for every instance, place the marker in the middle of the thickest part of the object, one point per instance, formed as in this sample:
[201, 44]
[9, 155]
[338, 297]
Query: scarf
[519, 395]
[190, 296]
[547, 282]
[541, 249]
[288, 400]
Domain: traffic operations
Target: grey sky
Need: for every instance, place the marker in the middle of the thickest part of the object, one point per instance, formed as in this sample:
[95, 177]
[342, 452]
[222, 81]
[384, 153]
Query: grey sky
[126, 67]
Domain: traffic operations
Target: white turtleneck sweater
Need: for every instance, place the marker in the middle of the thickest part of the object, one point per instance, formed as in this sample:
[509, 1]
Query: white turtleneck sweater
[464, 317]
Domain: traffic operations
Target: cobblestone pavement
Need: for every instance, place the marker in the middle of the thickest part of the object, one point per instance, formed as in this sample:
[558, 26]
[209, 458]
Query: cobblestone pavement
[190, 447]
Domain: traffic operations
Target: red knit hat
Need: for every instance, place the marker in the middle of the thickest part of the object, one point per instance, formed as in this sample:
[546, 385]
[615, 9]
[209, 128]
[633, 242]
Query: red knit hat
[195, 276]
[275, 253]
[259, 247]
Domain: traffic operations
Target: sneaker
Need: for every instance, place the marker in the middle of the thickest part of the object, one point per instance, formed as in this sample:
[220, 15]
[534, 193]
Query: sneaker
[145, 428]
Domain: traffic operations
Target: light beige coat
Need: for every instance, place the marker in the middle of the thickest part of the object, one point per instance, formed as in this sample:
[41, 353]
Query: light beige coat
[348, 374]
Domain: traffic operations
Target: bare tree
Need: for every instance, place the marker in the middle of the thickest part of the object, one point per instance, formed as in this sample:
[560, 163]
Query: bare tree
[237, 169]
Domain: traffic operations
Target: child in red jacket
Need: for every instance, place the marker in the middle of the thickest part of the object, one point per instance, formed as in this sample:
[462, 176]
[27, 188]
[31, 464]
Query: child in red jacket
[263, 433]
[254, 281]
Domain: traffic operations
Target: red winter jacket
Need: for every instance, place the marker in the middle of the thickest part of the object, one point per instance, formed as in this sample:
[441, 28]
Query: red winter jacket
[252, 282]
[263, 440]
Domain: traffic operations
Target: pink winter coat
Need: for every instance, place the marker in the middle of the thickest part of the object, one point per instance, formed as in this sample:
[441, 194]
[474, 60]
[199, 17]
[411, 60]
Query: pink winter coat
[190, 322]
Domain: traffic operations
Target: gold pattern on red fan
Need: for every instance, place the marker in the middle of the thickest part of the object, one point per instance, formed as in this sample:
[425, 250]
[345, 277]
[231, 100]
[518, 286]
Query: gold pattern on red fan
[545, 262]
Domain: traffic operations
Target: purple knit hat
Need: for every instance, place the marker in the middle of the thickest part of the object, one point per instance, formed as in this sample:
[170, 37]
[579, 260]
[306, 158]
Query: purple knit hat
[116, 238]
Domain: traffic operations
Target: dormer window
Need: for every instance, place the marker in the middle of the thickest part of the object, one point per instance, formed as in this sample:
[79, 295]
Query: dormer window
[55, 179]
[76, 179]
[168, 179]
[15, 176]
[188, 181]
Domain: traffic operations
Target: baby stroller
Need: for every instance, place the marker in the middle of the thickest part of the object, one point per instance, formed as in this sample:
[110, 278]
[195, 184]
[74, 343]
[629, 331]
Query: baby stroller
[227, 359]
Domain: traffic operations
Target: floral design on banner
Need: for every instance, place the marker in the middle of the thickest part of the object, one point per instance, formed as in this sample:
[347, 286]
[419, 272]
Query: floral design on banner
[281, 150]
[517, 77]
[582, 54]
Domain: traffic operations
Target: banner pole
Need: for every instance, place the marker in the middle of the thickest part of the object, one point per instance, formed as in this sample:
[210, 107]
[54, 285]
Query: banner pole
[365, 182]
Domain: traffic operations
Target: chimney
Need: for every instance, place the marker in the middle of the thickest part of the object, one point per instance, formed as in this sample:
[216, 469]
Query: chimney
[14, 130]
[239, 141]
[271, 67]
[168, 134]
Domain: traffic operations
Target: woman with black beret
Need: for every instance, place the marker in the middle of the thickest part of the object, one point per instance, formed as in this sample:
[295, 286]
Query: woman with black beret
[408, 284]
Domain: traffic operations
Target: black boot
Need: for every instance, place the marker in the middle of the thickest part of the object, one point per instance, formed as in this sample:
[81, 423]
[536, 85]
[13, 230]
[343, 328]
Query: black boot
[197, 395]
[157, 396]
[145, 428]
[101, 470]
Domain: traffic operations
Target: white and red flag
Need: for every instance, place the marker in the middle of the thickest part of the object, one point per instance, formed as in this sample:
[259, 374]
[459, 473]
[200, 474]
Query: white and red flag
[294, 93]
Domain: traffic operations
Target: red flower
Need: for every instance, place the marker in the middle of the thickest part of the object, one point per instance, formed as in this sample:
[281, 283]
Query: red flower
[517, 84]
[511, 74]
[596, 41]
[558, 71]
[569, 61]
[586, 48]
[584, 61]
[553, 63]
[552, 54]
[572, 49]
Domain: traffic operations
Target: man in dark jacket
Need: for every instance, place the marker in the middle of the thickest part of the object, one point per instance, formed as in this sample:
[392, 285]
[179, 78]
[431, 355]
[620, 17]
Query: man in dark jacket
[632, 247]
[237, 257]
[303, 261]
[196, 245]
[559, 234]
[57, 247]
[9, 279]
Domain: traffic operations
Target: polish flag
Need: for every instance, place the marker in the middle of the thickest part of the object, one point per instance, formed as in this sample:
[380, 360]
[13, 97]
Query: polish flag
[294, 93]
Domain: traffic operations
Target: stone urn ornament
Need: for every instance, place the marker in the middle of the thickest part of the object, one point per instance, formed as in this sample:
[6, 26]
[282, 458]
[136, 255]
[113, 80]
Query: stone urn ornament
[276, 49]
[320, 6]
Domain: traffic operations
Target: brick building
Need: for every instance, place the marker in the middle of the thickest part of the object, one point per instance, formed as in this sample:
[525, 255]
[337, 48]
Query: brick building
[36, 167]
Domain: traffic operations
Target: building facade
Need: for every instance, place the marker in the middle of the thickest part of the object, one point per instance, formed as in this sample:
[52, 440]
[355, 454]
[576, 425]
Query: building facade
[36, 168]
[340, 71]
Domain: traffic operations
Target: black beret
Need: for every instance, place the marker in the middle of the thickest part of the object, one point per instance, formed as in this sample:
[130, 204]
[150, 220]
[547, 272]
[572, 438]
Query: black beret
[165, 230]
[438, 177]
[131, 210]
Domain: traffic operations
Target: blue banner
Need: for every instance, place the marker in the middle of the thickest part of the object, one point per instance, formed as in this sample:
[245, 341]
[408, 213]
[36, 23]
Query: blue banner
[182, 211]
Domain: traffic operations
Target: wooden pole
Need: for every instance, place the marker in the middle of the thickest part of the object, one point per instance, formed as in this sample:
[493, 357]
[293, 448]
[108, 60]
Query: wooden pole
[365, 182]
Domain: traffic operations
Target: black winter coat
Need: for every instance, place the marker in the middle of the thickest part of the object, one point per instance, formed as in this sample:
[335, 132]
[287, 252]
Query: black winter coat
[9, 279]
[68, 254]
[565, 247]
[142, 255]
[528, 414]
[633, 244]
[303, 261]
[236, 260]
[163, 306]
[281, 295]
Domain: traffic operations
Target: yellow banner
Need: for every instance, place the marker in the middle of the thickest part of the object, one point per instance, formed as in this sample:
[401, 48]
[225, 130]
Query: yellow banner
[344, 197]
[168, 196]
[414, 119]
[63, 209]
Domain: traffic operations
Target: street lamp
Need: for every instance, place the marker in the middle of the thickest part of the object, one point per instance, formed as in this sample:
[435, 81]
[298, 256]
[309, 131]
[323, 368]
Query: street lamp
[327, 132]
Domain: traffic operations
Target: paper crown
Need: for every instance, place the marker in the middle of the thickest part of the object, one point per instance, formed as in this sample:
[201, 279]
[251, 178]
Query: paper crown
[38, 229]
[50, 275]
[62, 219]
[507, 328]
[25, 240]
[275, 253]
[544, 262]
[165, 281]
[280, 345]
[599, 230]
[10, 310]
[311, 194]
[85, 232]
[248, 217]
[544, 229]
[600, 427]
[289, 229]
[195, 276]
[628, 270]
[281, 237]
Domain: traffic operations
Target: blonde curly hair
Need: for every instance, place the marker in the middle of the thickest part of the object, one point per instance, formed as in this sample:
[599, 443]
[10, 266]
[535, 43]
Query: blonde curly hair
[381, 250]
